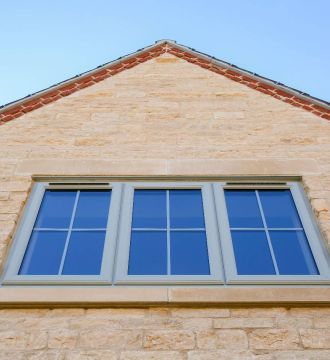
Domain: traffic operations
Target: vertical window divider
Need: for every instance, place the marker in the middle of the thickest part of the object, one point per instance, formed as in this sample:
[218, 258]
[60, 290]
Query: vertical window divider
[168, 225]
[267, 232]
[69, 233]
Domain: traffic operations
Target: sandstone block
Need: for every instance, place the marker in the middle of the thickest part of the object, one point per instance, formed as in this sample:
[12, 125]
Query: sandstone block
[111, 339]
[112, 314]
[62, 339]
[44, 355]
[222, 339]
[91, 355]
[301, 355]
[151, 355]
[315, 338]
[322, 322]
[232, 323]
[200, 313]
[229, 354]
[169, 340]
[271, 339]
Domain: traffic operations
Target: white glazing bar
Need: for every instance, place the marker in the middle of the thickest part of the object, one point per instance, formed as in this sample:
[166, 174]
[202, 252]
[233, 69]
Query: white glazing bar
[267, 233]
[69, 232]
[168, 226]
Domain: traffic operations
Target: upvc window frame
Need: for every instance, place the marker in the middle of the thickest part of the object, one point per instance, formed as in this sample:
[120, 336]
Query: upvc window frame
[24, 231]
[310, 228]
[212, 237]
[115, 258]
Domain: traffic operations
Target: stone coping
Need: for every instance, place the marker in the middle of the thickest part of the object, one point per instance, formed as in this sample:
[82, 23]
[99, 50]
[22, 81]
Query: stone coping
[139, 296]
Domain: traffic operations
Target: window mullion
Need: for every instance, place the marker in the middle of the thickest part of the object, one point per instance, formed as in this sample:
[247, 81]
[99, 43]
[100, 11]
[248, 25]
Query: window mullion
[267, 233]
[69, 232]
[168, 225]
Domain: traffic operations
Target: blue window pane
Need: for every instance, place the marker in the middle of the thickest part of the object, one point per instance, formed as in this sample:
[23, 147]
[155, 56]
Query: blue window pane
[149, 210]
[44, 253]
[186, 209]
[56, 209]
[293, 254]
[279, 209]
[84, 254]
[189, 255]
[92, 209]
[252, 253]
[243, 210]
[148, 252]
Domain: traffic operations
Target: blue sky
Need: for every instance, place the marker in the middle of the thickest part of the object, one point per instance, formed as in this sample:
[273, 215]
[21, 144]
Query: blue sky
[45, 42]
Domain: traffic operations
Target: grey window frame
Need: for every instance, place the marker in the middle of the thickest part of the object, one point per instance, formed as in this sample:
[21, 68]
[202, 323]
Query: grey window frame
[212, 235]
[116, 248]
[24, 231]
[310, 227]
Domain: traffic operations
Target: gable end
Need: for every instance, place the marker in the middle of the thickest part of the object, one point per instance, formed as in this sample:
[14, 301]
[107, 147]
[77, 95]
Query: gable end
[279, 91]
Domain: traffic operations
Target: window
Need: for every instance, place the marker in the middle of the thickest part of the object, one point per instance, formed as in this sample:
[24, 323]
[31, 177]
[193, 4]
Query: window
[167, 233]
[268, 235]
[65, 236]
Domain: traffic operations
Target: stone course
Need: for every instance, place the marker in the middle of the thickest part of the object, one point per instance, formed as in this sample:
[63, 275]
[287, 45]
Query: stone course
[111, 334]
[164, 117]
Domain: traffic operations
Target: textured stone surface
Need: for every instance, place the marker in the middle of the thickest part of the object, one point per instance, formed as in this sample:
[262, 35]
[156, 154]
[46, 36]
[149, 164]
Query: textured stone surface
[273, 339]
[315, 338]
[169, 340]
[145, 333]
[222, 339]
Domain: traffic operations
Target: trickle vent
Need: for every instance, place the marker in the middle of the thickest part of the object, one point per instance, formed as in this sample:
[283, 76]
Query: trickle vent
[257, 183]
[79, 184]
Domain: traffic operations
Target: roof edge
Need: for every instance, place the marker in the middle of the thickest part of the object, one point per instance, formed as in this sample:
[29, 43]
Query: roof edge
[275, 89]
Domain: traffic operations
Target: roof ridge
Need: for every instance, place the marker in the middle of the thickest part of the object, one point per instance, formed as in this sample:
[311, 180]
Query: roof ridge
[262, 84]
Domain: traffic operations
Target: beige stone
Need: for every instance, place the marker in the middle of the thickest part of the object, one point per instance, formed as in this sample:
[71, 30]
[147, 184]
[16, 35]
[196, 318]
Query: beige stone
[222, 339]
[273, 312]
[270, 296]
[169, 340]
[228, 354]
[322, 322]
[302, 355]
[71, 295]
[200, 313]
[293, 322]
[62, 339]
[113, 339]
[268, 339]
[243, 167]
[23, 340]
[91, 355]
[151, 355]
[197, 323]
[315, 338]
[240, 323]
[44, 355]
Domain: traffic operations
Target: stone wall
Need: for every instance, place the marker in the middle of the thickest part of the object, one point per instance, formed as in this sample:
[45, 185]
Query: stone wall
[164, 117]
[166, 334]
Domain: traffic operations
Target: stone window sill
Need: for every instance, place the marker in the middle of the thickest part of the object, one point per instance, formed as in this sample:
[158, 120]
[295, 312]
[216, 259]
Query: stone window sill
[60, 296]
